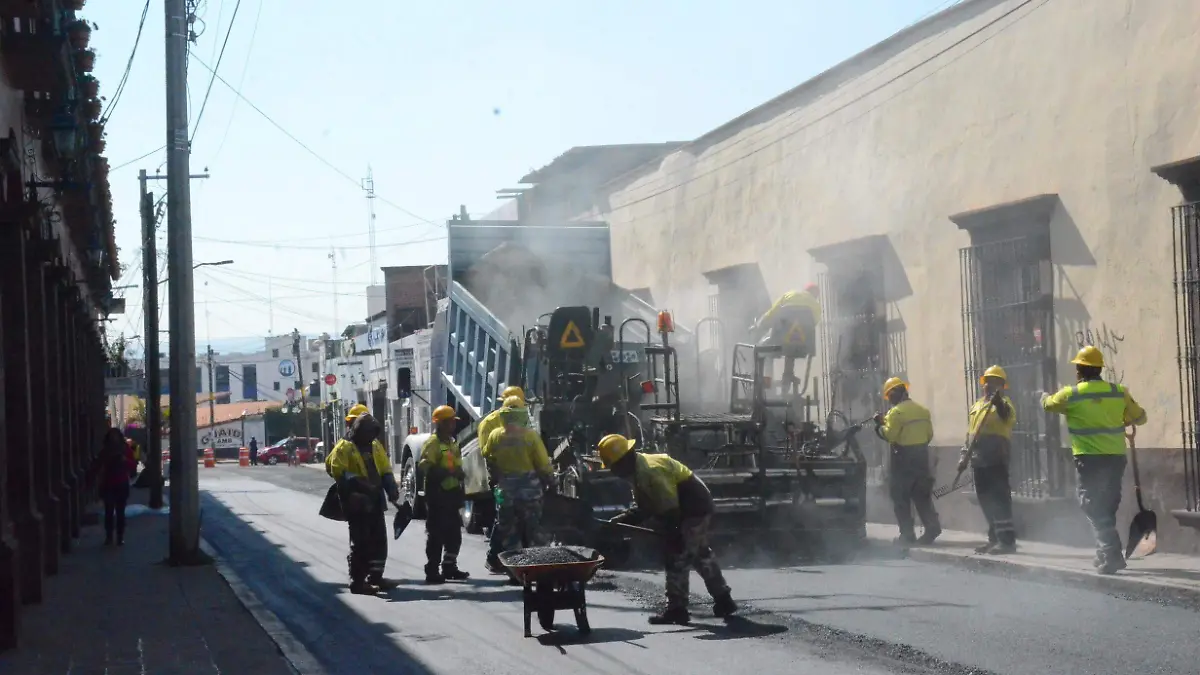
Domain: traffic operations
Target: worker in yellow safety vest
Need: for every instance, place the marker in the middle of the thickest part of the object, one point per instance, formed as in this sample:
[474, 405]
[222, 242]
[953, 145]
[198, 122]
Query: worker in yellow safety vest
[362, 471]
[990, 422]
[680, 505]
[492, 421]
[519, 467]
[352, 414]
[908, 429]
[441, 464]
[791, 324]
[1097, 413]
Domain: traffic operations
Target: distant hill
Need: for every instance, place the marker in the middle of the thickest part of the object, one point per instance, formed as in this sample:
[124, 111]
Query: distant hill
[221, 345]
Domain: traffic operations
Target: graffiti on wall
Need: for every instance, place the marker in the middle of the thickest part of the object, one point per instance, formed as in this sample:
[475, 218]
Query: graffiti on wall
[1107, 341]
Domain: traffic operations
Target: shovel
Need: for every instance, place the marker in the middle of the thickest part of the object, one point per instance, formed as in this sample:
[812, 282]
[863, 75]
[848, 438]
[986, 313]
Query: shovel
[955, 485]
[404, 516]
[625, 526]
[1143, 531]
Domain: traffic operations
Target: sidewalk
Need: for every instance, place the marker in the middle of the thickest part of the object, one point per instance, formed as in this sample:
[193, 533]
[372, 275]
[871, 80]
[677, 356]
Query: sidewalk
[118, 610]
[1166, 576]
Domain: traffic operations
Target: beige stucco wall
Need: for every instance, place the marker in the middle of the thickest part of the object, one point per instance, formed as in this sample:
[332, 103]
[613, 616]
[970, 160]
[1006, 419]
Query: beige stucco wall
[1074, 97]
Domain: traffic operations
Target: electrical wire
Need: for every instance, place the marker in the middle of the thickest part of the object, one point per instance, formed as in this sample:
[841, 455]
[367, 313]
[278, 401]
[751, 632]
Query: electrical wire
[112, 103]
[697, 175]
[290, 247]
[137, 159]
[267, 242]
[275, 305]
[211, 80]
[304, 146]
[241, 82]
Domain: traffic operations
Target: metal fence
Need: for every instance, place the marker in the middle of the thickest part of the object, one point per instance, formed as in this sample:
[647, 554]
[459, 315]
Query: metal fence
[1007, 319]
[1186, 249]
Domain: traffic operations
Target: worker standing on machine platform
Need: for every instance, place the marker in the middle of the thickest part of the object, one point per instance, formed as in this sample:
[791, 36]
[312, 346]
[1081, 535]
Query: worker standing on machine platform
[441, 464]
[990, 424]
[908, 429]
[1097, 413]
[519, 467]
[791, 324]
[492, 421]
[668, 492]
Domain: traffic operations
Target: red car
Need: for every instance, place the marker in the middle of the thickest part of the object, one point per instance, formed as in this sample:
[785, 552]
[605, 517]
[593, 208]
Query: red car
[278, 453]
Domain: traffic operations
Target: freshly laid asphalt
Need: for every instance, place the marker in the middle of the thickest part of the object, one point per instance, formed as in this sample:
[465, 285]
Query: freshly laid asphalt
[874, 615]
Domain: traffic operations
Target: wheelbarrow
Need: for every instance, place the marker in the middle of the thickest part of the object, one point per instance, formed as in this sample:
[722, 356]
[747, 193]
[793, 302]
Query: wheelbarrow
[554, 586]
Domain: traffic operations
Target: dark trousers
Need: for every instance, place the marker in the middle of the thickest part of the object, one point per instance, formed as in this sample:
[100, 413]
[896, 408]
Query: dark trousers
[995, 499]
[443, 533]
[1100, 494]
[911, 485]
[368, 545]
[253, 458]
[115, 498]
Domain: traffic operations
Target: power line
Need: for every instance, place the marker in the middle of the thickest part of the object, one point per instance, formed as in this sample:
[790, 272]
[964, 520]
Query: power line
[269, 301]
[267, 242]
[137, 159]
[220, 57]
[300, 143]
[837, 109]
[235, 242]
[112, 104]
[241, 81]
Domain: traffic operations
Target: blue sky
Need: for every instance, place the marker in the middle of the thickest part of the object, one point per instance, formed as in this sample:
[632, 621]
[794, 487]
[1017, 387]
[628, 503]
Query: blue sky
[447, 102]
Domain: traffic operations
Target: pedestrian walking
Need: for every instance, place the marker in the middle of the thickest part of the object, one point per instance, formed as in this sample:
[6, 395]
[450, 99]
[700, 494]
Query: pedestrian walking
[112, 468]
[519, 468]
[671, 495]
[1097, 413]
[908, 429]
[990, 423]
[441, 464]
[253, 451]
[362, 470]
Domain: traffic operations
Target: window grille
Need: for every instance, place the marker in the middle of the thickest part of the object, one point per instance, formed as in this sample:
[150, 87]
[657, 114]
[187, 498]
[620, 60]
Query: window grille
[1186, 250]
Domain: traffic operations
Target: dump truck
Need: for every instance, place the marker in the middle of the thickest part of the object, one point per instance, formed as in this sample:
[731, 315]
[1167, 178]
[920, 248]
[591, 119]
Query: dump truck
[536, 306]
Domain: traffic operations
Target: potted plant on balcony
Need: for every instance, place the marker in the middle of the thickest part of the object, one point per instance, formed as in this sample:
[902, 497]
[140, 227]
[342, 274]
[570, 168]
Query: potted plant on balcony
[85, 60]
[89, 86]
[80, 33]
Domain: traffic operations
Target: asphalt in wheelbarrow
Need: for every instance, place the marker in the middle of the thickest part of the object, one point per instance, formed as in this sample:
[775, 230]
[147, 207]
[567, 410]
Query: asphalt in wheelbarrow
[548, 555]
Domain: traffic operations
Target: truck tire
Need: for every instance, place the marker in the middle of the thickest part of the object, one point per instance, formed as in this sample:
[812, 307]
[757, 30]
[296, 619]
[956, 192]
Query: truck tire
[409, 479]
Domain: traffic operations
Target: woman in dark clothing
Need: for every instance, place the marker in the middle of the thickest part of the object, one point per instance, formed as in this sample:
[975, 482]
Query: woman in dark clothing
[113, 467]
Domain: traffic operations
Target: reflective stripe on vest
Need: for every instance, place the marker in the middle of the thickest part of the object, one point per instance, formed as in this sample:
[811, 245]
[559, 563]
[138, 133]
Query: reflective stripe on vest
[1090, 417]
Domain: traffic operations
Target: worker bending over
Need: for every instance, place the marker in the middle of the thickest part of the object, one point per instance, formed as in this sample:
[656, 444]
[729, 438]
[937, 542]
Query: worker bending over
[667, 491]
[908, 429]
[1097, 413]
[990, 424]
[519, 466]
[492, 420]
[791, 324]
[362, 470]
[441, 464]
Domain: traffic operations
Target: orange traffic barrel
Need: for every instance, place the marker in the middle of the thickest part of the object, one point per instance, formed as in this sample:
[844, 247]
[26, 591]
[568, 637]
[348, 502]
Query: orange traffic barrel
[243, 456]
[210, 458]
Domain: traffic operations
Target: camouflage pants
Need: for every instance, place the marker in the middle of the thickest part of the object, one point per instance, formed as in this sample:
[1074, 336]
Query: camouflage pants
[517, 520]
[690, 549]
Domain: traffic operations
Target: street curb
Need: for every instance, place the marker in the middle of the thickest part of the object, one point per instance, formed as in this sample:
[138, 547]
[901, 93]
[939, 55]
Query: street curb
[294, 652]
[1116, 583]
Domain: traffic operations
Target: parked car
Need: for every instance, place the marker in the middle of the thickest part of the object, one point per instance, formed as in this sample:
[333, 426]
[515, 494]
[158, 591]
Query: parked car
[278, 453]
[319, 453]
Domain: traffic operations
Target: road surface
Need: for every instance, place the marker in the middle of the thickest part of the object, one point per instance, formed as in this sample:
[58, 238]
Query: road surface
[870, 617]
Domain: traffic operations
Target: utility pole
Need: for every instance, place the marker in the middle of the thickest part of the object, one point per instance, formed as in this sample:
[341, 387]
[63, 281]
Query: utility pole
[368, 184]
[270, 307]
[153, 381]
[185, 498]
[333, 261]
[300, 389]
[212, 398]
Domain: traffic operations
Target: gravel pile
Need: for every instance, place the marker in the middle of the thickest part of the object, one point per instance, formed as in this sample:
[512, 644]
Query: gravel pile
[547, 555]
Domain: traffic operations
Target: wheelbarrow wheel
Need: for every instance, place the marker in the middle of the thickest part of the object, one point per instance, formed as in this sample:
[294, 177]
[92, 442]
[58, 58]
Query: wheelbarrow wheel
[581, 620]
[545, 601]
[546, 619]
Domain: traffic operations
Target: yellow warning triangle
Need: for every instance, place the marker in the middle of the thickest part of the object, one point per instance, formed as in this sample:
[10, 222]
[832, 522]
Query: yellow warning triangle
[795, 334]
[572, 338]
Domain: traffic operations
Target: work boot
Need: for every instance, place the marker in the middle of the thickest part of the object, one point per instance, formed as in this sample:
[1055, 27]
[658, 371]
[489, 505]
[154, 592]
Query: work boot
[724, 606]
[677, 616]
[363, 588]
[985, 548]
[383, 584]
[1097, 561]
[928, 536]
[905, 540]
[494, 566]
[432, 576]
[1111, 565]
[452, 573]
[1003, 549]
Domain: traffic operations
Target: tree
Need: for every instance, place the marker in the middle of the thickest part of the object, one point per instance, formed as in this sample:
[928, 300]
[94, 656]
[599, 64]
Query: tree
[115, 349]
[138, 414]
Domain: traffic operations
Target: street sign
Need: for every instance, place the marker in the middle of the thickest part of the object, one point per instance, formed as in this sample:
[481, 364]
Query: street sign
[330, 379]
[291, 395]
[287, 368]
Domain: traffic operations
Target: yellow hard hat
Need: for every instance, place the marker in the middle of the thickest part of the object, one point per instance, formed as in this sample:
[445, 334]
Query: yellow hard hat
[514, 402]
[443, 412]
[357, 410]
[892, 383]
[509, 392]
[1089, 356]
[613, 447]
[994, 371]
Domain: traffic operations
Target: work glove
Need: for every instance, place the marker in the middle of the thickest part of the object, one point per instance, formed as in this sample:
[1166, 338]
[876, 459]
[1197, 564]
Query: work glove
[877, 419]
[621, 518]
[963, 462]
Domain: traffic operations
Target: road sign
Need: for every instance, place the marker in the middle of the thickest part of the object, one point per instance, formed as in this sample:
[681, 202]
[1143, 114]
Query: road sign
[572, 337]
[291, 395]
[287, 367]
[331, 379]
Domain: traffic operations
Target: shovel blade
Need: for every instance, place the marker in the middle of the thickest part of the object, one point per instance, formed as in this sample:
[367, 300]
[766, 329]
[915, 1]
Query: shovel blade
[404, 516]
[1143, 535]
